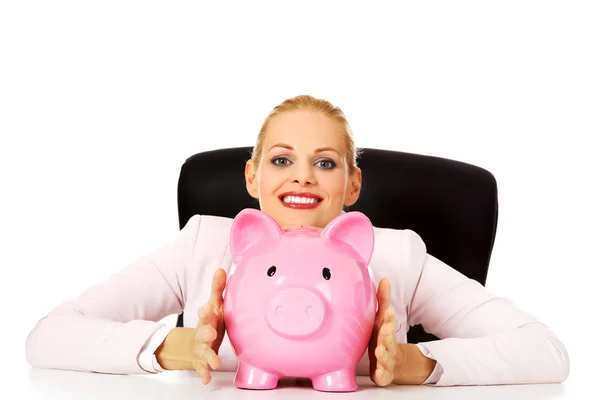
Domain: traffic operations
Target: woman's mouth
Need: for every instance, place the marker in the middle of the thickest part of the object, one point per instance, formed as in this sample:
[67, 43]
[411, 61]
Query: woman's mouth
[300, 200]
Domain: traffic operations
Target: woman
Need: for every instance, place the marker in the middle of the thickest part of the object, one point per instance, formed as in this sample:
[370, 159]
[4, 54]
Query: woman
[304, 154]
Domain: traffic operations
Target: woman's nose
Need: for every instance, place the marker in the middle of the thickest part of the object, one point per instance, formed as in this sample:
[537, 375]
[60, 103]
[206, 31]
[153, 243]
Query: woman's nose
[303, 175]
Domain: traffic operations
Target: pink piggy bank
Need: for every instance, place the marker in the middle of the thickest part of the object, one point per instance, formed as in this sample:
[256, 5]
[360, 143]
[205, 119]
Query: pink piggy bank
[299, 302]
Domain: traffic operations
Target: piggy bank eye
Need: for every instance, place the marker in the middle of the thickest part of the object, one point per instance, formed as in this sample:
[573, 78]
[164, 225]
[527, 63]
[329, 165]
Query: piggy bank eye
[326, 273]
[271, 271]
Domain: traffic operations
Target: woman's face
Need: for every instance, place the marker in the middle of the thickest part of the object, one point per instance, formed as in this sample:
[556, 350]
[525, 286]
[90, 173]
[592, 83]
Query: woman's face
[302, 177]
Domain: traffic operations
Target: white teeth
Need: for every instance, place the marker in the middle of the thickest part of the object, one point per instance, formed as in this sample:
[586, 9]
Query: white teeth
[299, 200]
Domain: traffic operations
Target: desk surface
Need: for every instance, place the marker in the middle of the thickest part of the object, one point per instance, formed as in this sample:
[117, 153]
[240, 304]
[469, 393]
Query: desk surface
[181, 385]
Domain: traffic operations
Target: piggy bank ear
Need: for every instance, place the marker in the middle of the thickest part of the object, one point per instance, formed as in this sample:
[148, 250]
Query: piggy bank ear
[356, 230]
[249, 227]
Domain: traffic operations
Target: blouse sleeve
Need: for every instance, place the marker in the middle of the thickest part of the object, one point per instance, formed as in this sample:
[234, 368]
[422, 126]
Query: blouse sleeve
[105, 328]
[484, 338]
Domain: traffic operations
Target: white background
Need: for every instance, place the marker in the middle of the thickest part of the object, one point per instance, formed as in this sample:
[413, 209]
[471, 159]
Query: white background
[101, 103]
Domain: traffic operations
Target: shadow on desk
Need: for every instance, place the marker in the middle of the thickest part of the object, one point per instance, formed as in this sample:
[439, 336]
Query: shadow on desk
[180, 385]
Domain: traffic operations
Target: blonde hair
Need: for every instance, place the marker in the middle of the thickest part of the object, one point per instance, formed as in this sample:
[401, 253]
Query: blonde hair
[307, 102]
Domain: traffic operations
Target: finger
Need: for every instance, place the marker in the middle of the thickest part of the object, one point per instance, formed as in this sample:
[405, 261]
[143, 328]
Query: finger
[383, 373]
[391, 323]
[206, 315]
[208, 356]
[383, 377]
[384, 293]
[383, 299]
[383, 337]
[387, 336]
[387, 327]
[387, 314]
[384, 365]
[384, 359]
[202, 370]
[212, 359]
[217, 287]
[205, 334]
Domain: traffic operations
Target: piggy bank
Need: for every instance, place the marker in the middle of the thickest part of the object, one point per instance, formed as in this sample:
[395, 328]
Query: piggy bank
[299, 303]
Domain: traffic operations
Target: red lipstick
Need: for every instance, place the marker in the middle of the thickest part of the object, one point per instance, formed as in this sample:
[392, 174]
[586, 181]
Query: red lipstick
[301, 205]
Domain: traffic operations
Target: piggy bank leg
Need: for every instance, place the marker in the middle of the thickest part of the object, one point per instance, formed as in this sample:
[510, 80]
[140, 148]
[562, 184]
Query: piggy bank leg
[343, 380]
[249, 377]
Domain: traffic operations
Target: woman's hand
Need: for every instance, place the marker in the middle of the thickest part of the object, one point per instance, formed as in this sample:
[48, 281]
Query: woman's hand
[385, 356]
[392, 362]
[210, 330]
[197, 348]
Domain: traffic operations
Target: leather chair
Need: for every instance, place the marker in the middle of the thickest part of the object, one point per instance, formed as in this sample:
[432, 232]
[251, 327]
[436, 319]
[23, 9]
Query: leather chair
[452, 205]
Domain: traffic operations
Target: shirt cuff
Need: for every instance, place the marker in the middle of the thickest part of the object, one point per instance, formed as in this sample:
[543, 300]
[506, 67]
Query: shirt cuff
[146, 358]
[437, 371]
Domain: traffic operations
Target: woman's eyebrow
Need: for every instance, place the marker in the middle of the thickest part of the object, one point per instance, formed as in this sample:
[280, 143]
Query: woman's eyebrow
[321, 149]
[285, 146]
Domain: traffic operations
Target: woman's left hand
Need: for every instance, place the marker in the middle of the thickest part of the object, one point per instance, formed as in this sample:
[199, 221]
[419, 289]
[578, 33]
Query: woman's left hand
[384, 353]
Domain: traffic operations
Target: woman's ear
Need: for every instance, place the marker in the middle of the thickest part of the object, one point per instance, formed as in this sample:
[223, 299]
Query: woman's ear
[354, 186]
[251, 181]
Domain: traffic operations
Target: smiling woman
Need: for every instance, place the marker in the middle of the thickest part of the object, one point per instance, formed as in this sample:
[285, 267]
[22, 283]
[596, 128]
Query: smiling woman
[307, 172]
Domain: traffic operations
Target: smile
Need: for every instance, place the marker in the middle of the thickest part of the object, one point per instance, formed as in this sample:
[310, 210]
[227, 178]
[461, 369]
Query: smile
[300, 200]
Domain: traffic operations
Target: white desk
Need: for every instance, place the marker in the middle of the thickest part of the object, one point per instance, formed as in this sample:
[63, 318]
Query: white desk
[181, 385]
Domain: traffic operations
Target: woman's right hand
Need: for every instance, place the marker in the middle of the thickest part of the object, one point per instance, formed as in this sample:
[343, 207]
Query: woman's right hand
[210, 330]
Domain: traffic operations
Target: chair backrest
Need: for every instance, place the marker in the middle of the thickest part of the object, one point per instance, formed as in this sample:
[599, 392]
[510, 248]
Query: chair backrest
[452, 205]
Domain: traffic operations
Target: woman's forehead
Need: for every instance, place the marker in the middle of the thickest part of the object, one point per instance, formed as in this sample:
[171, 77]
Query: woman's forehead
[304, 131]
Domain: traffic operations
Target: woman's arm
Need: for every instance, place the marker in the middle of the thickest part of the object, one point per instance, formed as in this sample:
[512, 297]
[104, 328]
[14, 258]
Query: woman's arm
[104, 329]
[485, 338]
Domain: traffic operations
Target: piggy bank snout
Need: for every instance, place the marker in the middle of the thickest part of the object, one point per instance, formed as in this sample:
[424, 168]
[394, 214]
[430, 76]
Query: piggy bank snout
[295, 312]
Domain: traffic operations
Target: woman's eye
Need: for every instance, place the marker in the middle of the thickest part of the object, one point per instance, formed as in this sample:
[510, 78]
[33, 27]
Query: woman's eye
[327, 164]
[280, 161]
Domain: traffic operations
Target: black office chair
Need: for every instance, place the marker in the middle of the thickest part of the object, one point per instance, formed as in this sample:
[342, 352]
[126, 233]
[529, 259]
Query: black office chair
[452, 205]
